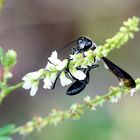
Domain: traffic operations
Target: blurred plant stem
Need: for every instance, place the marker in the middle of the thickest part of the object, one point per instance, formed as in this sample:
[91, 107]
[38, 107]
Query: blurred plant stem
[75, 111]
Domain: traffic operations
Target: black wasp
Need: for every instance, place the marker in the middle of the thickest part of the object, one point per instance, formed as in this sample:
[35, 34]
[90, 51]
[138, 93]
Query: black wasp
[84, 44]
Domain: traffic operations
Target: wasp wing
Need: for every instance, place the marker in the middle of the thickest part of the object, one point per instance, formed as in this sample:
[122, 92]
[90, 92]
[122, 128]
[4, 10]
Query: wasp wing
[123, 76]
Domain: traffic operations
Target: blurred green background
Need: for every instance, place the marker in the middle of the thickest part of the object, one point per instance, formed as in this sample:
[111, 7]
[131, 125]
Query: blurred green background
[36, 28]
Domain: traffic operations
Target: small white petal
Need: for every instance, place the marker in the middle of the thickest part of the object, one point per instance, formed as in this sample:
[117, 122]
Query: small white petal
[71, 56]
[33, 90]
[115, 99]
[32, 75]
[78, 74]
[61, 65]
[132, 91]
[49, 80]
[53, 56]
[31, 84]
[50, 66]
[31, 81]
[47, 83]
[53, 59]
[37, 75]
[25, 78]
[64, 80]
[87, 99]
[27, 85]
[53, 76]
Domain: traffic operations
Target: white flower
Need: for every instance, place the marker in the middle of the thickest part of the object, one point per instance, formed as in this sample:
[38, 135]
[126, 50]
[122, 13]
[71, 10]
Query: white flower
[31, 81]
[132, 91]
[62, 65]
[64, 80]
[47, 83]
[115, 99]
[33, 85]
[34, 89]
[32, 75]
[72, 56]
[56, 63]
[49, 80]
[53, 59]
[87, 99]
[78, 74]
[50, 66]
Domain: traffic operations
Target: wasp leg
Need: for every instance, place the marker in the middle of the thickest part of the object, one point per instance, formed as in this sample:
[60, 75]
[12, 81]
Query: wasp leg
[67, 69]
[93, 66]
[53, 86]
[74, 51]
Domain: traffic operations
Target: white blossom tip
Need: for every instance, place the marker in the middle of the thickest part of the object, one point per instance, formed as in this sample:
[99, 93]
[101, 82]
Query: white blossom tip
[132, 91]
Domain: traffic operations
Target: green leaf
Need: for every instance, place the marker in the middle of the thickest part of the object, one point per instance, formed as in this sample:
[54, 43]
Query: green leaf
[5, 138]
[2, 56]
[6, 129]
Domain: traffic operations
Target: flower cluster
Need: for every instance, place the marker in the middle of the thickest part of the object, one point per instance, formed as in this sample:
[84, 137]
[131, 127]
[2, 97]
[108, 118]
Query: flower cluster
[55, 69]
[126, 32]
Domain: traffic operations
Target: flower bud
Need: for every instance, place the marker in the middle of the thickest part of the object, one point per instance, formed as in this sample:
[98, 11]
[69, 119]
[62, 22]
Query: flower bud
[10, 59]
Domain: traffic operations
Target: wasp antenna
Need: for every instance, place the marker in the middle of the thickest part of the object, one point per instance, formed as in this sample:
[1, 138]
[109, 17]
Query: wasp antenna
[67, 45]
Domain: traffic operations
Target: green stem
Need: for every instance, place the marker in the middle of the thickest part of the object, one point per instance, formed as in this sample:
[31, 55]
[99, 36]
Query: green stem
[5, 77]
[2, 96]
[6, 91]
[12, 88]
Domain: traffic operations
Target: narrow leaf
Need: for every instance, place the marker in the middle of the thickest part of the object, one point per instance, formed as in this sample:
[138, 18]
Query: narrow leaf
[6, 129]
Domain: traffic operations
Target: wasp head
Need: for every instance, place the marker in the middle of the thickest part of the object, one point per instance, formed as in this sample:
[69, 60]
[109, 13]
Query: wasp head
[84, 44]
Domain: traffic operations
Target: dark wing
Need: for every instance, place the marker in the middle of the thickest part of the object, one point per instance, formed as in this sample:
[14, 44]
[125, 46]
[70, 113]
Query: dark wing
[123, 76]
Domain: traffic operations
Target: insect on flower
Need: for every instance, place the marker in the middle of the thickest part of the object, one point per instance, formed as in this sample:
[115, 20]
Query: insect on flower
[78, 66]
[84, 44]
